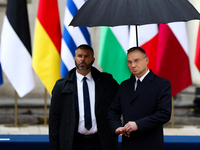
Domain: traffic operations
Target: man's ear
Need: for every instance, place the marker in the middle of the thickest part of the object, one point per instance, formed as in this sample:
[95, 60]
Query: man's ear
[93, 60]
[147, 60]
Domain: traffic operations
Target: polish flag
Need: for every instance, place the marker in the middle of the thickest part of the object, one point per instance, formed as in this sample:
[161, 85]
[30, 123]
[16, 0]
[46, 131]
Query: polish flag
[197, 55]
[173, 56]
[147, 39]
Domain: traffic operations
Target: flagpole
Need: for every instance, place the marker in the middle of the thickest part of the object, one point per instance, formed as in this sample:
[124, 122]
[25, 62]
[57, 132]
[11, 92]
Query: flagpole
[45, 107]
[16, 124]
[172, 118]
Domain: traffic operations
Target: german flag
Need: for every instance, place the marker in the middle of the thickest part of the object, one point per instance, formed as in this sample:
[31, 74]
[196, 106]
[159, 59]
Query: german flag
[47, 43]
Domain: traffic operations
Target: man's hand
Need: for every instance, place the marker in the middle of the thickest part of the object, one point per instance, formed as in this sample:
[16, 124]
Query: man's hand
[130, 126]
[121, 130]
[127, 129]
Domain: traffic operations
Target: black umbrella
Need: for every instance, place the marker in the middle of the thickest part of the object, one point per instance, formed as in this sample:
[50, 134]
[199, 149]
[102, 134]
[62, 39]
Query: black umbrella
[133, 12]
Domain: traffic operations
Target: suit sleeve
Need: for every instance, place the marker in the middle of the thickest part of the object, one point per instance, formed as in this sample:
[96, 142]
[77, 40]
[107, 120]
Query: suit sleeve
[163, 110]
[54, 117]
[114, 114]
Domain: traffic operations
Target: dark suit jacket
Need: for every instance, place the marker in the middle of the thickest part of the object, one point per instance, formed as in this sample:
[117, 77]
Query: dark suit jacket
[64, 113]
[149, 107]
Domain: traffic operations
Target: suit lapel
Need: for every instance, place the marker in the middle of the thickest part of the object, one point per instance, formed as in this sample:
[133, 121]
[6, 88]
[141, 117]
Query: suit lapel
[131, 87]
[71, 87]
[99, 88]
[143, 85]
[71, 84]
[98, 92]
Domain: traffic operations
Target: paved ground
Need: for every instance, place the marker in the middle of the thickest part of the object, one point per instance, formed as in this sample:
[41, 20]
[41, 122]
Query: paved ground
[31, 120]
[32, 124]
[35, 119]
[42, 129]
[31, 129]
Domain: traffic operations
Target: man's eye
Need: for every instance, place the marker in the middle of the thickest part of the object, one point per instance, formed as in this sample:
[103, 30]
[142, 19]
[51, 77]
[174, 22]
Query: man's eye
[136, 60]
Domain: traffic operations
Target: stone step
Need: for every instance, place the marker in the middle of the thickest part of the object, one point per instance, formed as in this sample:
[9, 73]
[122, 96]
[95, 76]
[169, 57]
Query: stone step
[34, 106]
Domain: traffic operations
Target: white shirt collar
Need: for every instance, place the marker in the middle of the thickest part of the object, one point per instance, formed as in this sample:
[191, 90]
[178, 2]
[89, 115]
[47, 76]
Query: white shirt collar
[80, 76]
[142, 78]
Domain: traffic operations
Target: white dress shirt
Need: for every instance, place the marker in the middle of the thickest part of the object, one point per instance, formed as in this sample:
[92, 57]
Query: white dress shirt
[141, 79]
[91, 87]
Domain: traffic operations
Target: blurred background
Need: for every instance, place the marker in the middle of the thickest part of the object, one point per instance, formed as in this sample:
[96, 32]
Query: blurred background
[31, 106]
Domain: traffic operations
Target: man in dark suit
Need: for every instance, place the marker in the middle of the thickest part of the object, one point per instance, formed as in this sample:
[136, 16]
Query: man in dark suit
[145, 105]
[71, 125]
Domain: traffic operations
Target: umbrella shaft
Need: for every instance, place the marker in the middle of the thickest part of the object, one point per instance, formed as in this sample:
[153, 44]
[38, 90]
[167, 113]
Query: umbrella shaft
[136, 30]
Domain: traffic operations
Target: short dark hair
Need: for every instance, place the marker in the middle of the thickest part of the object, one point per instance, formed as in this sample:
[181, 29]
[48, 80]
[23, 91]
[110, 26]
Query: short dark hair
[86, 47]
[137, 48]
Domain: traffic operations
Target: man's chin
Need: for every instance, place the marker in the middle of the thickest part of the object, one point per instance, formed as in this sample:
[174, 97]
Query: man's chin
[82, 68]
[134, 72]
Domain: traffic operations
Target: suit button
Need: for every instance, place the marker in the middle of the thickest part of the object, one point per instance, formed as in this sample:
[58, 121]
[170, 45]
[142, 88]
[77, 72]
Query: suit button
[132, 104]
[68, 102]
[66, 139]
[67, 122]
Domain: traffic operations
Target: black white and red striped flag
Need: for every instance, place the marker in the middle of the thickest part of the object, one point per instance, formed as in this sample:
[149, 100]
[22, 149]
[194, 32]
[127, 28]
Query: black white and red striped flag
[16, 54]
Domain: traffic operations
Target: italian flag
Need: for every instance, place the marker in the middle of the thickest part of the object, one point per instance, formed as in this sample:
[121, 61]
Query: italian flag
[112, 52]
[47, 43]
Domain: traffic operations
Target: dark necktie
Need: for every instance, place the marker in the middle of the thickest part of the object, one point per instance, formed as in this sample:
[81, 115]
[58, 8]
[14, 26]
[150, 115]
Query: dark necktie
[138, 83]
[88, 120]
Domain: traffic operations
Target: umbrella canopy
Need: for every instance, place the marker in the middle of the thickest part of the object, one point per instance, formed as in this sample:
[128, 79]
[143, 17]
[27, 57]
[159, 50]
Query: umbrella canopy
[133, 12]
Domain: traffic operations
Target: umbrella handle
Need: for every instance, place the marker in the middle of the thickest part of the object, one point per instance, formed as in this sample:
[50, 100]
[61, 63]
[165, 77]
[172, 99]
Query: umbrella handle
[136, 30]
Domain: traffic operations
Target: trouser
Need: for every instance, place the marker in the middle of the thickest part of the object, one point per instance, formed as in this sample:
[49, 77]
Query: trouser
[86, 142]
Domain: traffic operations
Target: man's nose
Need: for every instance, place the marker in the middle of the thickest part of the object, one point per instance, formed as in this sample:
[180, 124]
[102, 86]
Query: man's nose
[82, 58]
[133, 64]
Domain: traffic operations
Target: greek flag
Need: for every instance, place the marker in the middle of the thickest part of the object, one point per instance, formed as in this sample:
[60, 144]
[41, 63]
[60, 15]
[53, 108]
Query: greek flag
[72, 36]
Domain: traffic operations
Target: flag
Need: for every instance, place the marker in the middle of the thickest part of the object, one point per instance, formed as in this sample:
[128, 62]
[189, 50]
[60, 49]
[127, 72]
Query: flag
[1, 74]
[16, 47]
[113, 47]
[148, 40]
[47, 43]
[72, 37]
[173, 56]
[197, 55]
